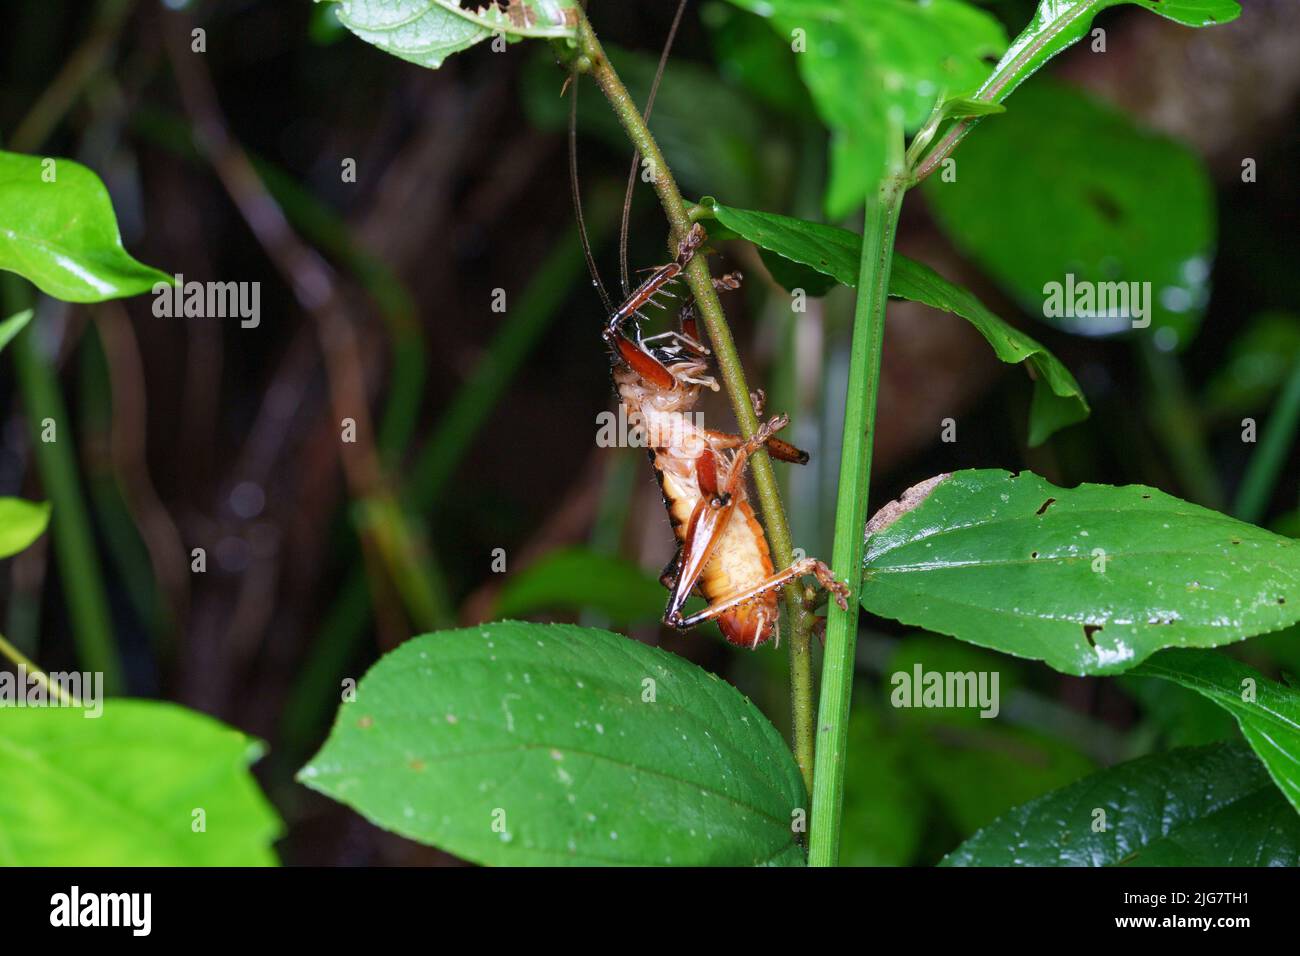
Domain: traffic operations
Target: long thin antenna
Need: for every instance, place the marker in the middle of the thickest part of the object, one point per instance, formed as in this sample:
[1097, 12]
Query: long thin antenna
[577, 199]
[631, 173]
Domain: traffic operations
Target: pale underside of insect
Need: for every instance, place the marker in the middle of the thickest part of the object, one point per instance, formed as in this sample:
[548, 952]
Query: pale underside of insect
[723, 553]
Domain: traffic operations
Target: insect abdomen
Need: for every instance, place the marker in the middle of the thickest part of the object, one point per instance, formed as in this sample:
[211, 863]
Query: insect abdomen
[742, 560]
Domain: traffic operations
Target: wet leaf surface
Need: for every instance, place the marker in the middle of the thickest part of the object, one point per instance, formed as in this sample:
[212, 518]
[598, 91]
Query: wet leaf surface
[58, 230]
[1090, 580]
[517, 744]
[1267, 712]
[1201, 806]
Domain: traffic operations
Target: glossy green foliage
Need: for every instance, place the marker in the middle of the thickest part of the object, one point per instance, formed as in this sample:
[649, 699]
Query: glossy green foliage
[1267, 712]
[1092, 224]
[863, 59]
[21, 523]
[57, 229]
[806, 255]
[1058, 24]
[1203, 806]
[750, 54]
[516, 743]
[142, 784]
[1090, 580]
[426, 32]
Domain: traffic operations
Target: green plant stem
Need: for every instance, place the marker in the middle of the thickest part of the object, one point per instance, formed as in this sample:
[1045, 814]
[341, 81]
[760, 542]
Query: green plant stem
[1265, 465]
[38, 384]
[879, 225]
[593, 60]
[79, 567]
[18, 659]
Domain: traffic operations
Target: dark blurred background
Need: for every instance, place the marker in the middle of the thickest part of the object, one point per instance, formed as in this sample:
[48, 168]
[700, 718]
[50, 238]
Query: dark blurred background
[476, 427]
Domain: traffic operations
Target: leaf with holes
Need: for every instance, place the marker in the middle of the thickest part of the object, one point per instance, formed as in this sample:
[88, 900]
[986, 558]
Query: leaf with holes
[21, 523]
[1201, 806]
[1090, 580]
[515, 743]
[1109, 227]
[58, 230]
[809, 253]
[1267, 712]
[426, 32]
[124, 789]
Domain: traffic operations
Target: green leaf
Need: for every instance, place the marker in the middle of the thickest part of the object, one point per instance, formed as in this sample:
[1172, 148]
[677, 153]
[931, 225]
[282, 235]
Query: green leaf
[1058, 401]
[576, 579]
[862, 59]
[122, 789]
[12, 326]
[963, 107]
[426, 32]
[515, 743]
[1202, 806]
[1058, 24]
[826, 250]
[1090, 580]
[21, 523]
[751, 55]
[1063, 186]
[62, 234]
[793, 277]
[1267, 712]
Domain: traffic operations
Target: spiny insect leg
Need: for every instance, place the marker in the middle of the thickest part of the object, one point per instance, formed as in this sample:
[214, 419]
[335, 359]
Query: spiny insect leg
[710, 517]
[744, 595]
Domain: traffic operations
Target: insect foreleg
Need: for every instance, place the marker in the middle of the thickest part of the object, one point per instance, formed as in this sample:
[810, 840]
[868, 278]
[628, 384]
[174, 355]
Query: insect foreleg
[662, 276]
[703, 532]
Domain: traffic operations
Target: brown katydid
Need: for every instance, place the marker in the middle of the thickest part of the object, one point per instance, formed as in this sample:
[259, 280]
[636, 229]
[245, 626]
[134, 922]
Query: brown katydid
[723, 553]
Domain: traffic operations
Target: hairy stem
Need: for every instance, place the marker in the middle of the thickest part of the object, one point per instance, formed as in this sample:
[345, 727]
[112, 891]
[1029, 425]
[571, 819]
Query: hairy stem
[592, 59]
[879, 224]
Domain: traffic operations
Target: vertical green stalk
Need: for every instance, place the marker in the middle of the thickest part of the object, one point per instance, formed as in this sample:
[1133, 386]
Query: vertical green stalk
[74, 542]
[1279, 432]
[591, 59]
[879, 224]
